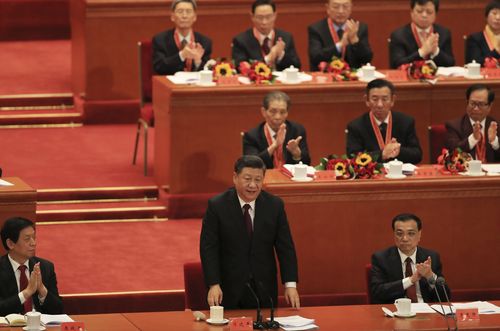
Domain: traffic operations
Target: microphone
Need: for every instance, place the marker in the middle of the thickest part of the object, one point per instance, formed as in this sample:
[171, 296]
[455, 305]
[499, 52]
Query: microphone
[441, 282]
[432, 281]
[257, 324]
[272, 324]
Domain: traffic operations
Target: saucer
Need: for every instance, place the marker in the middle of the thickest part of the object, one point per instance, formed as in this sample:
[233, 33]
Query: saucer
[412, 314]
[206, 84]
[221, 322]
[40, 328]
[473, 76]
[305, 179]
[479, 174]
[395, 176]
[287, 82]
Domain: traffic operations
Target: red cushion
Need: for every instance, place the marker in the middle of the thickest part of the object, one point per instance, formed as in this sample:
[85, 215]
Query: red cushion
[437, 137]
[146, 63]
[147, 114]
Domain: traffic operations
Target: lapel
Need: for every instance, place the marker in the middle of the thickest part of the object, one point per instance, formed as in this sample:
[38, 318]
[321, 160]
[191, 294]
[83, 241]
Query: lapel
[260, 209]
[254, 47]
[325, 33]
[395, 260]
[236, 215]
[8, 276]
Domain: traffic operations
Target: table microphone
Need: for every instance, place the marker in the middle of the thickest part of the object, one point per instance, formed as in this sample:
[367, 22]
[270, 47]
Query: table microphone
[432, 281]
[257, 324]
[272, 324]
[440, 281]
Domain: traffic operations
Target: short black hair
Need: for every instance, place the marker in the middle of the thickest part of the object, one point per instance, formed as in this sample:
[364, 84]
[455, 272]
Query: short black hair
[379, 83]
[276, 95]
[423, 2]
[480, 87]
[12, 228]
[405, 217]
[176, 2]
[495, 4]
[258, 3]
[249, 161]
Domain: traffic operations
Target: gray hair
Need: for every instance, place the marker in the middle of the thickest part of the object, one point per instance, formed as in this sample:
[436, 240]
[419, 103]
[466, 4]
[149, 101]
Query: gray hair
[276, 95]
[176, 2]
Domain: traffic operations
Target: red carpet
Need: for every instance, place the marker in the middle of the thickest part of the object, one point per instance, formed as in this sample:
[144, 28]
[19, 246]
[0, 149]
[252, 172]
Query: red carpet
[110, 257]
[35, 67]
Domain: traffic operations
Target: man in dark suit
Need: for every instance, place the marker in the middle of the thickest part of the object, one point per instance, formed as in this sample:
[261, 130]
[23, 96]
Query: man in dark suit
[242, 230]
[383, 131]
[277, 141]
[422, 39]
[263, 42]
[476, 132]
[340, 36]
[181, 49]
[26, 281]
[484, 44]
[405, 270]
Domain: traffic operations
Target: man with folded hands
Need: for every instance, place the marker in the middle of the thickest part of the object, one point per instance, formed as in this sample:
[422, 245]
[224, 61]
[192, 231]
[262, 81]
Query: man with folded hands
[181, 48]
[26, 281]
[476, 132]
[406, 269]
[277, 141]
[382, 131]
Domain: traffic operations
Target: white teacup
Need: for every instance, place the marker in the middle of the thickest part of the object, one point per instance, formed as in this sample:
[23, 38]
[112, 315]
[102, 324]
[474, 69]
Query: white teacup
[475, 167]
[300, 171]
[403, 306]
[216, 313]
[395, 168]
[473, 68]
[368, 71]
[205, 77]
[291, 74]
[33, 320]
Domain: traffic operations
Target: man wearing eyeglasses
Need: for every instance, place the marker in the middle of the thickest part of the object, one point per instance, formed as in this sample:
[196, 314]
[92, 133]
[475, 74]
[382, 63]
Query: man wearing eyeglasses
[263, 42]
[381, 131]
[277, 141]
[421, 39]
[476, 132]
[181, 48]
[340, 36]
[406, 269]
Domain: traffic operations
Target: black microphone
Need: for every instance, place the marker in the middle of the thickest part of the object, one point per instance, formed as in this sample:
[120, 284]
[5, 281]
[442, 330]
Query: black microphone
[257, 324]
[432, 281]
[440, 281]
[272, 324]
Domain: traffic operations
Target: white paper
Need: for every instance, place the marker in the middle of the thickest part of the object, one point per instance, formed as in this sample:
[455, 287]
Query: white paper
[407, 167]
[47, 319]
[298, 328]
[421, 307]
[377, 74]
[184, 77]
[493, 168]
[291, 167]
[303, 77]
[483, 307]
[5, 183]
[294, 321]
[451, 71]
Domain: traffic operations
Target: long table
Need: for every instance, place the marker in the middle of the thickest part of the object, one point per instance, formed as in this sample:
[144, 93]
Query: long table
[198, 129]
[337, 225]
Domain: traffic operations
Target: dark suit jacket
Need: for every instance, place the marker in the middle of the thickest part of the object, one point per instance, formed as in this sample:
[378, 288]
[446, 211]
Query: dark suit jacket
[476, 48]
[403, 47]
[255, 143]
[387, 274]
[245, 48]
[166, 60]
[322, 48]
[9, 293]
[361, 137]
[457, 135]
[230, 258]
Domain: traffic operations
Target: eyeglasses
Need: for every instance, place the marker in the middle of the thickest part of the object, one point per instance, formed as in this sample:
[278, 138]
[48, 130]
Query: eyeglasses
[478, 104]
[181, 12]
[384, 100]
[402, 234]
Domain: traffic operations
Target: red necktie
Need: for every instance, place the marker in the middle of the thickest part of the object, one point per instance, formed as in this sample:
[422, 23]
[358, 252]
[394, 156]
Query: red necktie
[248, 219]
[265, 46]
[411, 292]
[23, 283]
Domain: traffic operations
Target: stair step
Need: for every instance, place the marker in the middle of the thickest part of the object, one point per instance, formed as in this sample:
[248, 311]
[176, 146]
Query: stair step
[97, 193]
[40, 118]
[36, 100]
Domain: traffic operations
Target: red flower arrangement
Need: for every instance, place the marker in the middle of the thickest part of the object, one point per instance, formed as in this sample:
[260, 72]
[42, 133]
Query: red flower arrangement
[339, 69]
[454, 162]
[220, 68]
[361, 165]
[490, 62]
[421, 69]
[257, 72]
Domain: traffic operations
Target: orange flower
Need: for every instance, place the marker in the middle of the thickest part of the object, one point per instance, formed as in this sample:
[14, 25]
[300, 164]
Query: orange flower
[337, 64]
[363, 159]
[223, 69]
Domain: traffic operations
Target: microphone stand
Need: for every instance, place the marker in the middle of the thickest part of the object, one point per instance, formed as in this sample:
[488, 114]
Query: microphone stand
[440, 281]
[432, 282]
[257, 324]
[272, 324]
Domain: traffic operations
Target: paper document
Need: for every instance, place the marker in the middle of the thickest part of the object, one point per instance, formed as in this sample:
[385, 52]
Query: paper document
[484, 307]
[451, 71]
[47, 319]
[407, 167]
[295, 323]
[184, 77]
[491, 168]
[421, 308]
[5, 183]
[303, 77]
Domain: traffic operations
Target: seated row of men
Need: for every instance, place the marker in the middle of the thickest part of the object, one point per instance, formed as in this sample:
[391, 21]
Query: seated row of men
[338, 35]
[382, 131]
[244, 226]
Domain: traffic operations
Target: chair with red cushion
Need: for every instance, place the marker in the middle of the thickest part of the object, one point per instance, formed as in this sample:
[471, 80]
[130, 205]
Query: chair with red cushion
[146, 118]
[437, 138]
[194, 287]
[368, 277]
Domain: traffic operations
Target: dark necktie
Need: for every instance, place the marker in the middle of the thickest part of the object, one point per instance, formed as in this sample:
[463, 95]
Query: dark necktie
[383, 129]
[248, 219]
[411, 292]
[265, 46]
[340, 33]
[183, 44]
[23, 283]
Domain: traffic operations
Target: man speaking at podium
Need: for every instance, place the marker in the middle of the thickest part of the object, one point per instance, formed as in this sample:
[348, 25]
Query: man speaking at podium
[242, 229]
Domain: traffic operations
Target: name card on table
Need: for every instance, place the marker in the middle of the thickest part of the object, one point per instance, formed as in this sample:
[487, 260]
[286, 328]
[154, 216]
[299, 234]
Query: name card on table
[228, 80]
[325, 175]
[467, 314]
[73, 326]
[241, 324]
[396, 75]
[491, 73]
